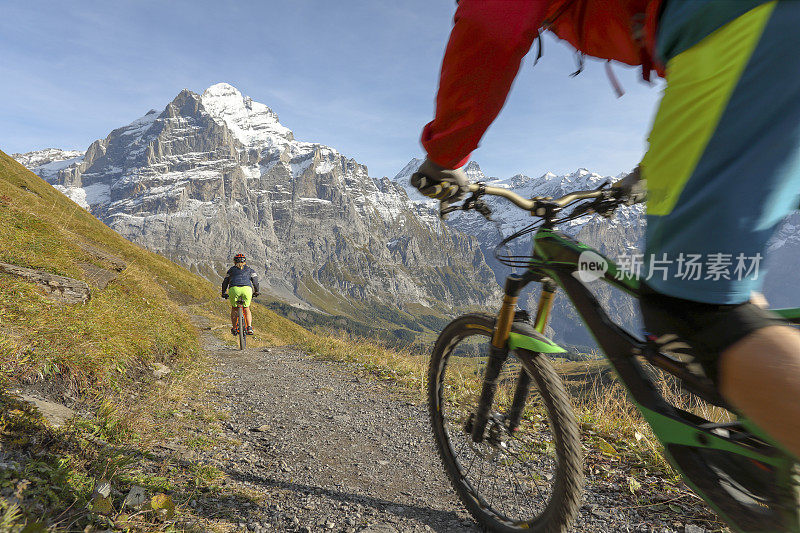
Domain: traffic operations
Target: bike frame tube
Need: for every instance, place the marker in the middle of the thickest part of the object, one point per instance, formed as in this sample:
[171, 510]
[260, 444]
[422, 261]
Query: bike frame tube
[545, 305]
[792, 315]
[553, 249]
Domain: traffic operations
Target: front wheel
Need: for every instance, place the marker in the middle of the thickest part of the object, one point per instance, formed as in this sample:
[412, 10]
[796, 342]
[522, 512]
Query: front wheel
[242, 330]
[526, 479]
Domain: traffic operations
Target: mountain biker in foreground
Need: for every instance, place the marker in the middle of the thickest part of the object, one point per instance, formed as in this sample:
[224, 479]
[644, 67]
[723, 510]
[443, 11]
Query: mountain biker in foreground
[724, 148]
[240, 281]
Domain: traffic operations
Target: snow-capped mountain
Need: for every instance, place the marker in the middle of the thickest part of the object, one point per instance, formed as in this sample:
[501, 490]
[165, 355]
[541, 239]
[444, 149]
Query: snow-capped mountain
[783, 256]
[49, 161]
[217, 173]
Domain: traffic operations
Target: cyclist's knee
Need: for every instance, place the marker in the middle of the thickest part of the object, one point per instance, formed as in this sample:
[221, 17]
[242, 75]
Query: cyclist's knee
[778, 349]
[708, 328]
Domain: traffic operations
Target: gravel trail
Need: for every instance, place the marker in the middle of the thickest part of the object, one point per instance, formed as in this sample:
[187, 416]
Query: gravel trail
[329, 449]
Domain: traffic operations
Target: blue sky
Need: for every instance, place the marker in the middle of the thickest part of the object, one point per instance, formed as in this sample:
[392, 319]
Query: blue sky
[359, 76]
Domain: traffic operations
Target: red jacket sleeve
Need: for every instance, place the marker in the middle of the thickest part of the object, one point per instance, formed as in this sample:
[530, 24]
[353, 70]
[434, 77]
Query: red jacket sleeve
[487, 44]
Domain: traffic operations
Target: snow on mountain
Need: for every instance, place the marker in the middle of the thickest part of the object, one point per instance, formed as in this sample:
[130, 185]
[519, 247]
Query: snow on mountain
[254, 124]
[507, 215]
[49, 162]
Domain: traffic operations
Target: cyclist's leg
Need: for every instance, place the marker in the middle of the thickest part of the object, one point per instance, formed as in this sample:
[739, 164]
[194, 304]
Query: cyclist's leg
[247, 292]
[723, 169]
[760, 374]
[232, 301]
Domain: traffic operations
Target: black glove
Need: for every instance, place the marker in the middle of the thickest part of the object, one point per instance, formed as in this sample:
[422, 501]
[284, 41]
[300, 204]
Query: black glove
[632, 187]
[441, 183]
[256, 294]
[224, 296]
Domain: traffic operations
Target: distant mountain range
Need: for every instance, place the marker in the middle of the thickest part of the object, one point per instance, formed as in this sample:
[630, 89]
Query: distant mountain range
[215, 173]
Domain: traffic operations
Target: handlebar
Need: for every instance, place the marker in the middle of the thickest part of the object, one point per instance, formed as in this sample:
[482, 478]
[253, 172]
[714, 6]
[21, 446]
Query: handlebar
[534, 203]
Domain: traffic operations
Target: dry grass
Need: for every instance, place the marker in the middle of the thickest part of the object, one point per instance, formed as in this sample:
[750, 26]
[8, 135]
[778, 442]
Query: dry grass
[605, 409]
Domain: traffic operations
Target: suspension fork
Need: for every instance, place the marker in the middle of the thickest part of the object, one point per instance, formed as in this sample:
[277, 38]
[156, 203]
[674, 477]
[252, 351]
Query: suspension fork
[514, 414]
[498, 353]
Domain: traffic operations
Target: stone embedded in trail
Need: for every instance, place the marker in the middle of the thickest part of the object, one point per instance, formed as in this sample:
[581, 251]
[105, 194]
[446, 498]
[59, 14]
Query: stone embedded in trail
[102, 489]
[160, 370]
[136, 497]
[55, 413]
[379, 528]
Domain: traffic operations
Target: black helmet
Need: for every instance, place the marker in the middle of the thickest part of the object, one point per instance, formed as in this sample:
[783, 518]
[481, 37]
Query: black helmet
[239, 258]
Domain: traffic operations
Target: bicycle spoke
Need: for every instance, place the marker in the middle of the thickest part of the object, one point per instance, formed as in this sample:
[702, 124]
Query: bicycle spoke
[465, 474]
[512, 481]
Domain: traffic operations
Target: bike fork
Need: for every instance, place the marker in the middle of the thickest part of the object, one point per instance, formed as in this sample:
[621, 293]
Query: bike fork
[498, 353]
[524, 382]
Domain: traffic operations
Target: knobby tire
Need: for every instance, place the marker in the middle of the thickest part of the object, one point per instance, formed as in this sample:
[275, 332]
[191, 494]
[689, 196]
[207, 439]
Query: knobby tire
[242, 331]
[563, 494]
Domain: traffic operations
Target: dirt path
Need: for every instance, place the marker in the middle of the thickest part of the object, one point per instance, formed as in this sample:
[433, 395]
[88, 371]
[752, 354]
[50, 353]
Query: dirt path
[331, 451]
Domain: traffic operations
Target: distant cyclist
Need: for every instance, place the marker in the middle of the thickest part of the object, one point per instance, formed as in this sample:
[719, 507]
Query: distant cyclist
[240, 281]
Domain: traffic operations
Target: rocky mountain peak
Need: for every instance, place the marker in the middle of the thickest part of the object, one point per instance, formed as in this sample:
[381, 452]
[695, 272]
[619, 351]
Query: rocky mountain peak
[186, 103]
[251, 122]
[49, 160]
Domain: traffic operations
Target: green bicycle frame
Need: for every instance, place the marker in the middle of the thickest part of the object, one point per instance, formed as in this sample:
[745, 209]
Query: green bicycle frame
[682, 434]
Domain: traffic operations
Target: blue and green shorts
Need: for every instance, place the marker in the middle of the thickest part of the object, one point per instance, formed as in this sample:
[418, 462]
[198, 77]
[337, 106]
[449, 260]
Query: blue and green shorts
[723, 165]
[245, 292]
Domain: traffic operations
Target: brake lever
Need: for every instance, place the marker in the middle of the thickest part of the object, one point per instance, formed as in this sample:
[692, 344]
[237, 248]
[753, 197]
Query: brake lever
[604, 206]
[473, 202]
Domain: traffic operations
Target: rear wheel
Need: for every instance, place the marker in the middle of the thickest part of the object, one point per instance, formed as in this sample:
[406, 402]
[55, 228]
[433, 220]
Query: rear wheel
[242, 329]
[529, 479]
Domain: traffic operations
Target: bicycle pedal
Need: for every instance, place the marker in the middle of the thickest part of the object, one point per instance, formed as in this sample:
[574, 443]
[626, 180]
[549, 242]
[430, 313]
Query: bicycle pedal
[742, 474]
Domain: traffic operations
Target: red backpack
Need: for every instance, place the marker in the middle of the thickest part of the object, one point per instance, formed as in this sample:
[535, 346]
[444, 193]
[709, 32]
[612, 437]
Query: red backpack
[622, 30]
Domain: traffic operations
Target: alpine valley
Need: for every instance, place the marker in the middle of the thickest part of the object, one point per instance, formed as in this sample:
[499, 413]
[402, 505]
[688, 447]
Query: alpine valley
[215, 173]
